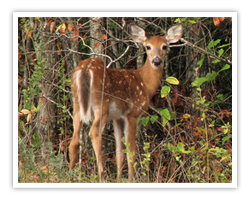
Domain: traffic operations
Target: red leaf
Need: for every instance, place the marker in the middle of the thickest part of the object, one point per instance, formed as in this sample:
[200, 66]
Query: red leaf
[52, 26]
[97, 44]
[217, 20]
[47, 23]
[70, 27]
[29, 33]
[75, 34]
[105, 37]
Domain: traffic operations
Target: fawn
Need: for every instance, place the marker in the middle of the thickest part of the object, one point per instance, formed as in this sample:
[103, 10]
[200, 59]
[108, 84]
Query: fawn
[102, 94]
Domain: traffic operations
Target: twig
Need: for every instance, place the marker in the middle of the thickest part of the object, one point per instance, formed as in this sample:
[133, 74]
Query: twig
[57, 104]
[113, 61]
[204, 51]
[56, 85]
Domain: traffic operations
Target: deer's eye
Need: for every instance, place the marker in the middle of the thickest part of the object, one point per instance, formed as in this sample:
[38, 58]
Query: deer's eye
[164, 47]
[148, 47]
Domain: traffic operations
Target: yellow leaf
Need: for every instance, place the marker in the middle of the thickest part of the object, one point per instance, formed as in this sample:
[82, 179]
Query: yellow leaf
[61, 29]
[186, 116]
[172, 80]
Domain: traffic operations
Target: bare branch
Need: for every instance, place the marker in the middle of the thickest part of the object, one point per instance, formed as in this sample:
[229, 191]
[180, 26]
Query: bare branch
[205, 52]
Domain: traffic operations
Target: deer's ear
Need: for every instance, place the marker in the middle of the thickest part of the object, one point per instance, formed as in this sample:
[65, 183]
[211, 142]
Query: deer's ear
[174, 34]
[138, 34]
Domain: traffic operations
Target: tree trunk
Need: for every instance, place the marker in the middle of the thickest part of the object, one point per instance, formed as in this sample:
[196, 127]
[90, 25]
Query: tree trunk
[96, 42]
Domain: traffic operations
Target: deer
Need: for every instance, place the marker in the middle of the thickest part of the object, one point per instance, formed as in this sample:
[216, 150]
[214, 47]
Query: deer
[101, 94]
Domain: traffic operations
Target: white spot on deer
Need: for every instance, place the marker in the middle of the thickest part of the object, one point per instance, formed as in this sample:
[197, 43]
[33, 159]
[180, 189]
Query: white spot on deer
[143, 103]
[137, 87]
[141, 84]
[140, 92]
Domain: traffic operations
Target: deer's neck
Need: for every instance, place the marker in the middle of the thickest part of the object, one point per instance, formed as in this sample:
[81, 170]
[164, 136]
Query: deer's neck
[151, 77]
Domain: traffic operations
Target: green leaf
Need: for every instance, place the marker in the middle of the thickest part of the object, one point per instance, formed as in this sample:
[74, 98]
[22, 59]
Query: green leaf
[153, 119]
[224, 139]
[172, 80]
[165, 112]
[177, 20]
[145, 121]
[112, 26]
[195, 83]
[213, 43]
[192, 21]
[203, 115]
[146, 146]
[202, 80]
[211, 76]
[224, 45]
[165, 90]
[221, 51]
[125, 150]
[215, 61]
[201, 61]
[198, 82]
[180, 146]
[164, 121]
[227, 66]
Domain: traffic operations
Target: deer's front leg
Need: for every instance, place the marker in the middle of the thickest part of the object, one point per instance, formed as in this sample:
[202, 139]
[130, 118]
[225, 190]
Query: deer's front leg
[130, 128]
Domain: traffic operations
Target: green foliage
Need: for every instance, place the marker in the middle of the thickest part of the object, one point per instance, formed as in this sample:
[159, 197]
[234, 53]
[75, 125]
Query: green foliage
[146, 160]
[185, 20]
[179, 145]
[166, 116]
[34, 88]
[209, 77]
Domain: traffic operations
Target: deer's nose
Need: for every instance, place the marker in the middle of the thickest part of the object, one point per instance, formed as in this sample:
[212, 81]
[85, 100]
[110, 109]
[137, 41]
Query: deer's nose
[157, 61]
